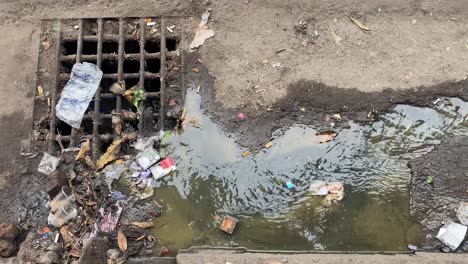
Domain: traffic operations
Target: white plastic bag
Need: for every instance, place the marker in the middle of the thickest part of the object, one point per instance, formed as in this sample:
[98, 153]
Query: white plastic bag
[78, 92]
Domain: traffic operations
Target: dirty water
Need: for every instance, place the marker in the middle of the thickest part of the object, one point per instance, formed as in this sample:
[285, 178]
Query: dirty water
[213, 179]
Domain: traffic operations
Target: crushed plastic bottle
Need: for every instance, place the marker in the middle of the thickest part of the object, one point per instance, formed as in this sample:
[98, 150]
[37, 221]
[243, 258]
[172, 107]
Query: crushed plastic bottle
[78, 93]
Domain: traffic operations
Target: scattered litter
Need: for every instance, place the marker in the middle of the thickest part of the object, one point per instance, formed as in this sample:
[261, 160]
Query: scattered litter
[462, 213]
[198, 89]
[113, 173]
[40, 90]
[45, 44]
[337, 117]
[147, 158]
[170, 28]
[269, 145]
[228, 224]
[412, 247]
[275, 65]
[63, 198]
[151, 24]
[241, 116]
[302, 109]
[63, 215]
[118, 88]
[78, 93]
[429, 180]
[360, 25]
[164, 251]
[202, 33]
[163, 168]
[325, 136]
[143, 144]
[290, 185]
[110, 218]
[337, 38]
[83, 150]
[452, 234]
[246, 153]
[196, 70]
[48, 164]
[318, 188]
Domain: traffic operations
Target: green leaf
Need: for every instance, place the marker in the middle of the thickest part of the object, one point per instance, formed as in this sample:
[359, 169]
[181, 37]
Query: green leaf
[429, 180]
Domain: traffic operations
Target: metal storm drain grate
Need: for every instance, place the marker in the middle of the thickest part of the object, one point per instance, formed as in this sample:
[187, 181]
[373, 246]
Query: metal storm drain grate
[141, 52]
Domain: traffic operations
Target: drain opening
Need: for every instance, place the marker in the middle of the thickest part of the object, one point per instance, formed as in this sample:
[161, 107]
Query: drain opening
[110, 47]
[152, 46]
[131, 66]
[109, 66]
[171, 44]
[132, 47]
[69, 47]
[89, 47]
[152, 85]
[153, 65]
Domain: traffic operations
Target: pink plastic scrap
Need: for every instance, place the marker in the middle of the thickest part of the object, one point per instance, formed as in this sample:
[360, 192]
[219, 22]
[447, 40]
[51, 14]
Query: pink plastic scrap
[109, 220]
[241, 116]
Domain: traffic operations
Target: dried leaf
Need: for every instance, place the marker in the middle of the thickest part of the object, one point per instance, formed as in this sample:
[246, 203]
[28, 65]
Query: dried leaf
[110, 154]
[142, 224]
[83, 150]
[68, 237]
[76, 253]
[91, 203]
[122, 241]
[196, 70]
[118, 88]
[360, 25]
[325, 136]
[140, 238]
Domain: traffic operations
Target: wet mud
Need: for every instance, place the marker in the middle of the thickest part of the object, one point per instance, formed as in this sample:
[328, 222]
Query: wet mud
[436, 202]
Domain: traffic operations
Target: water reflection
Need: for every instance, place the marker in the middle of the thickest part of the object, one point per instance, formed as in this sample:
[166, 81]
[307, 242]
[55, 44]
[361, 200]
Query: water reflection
[371, 161]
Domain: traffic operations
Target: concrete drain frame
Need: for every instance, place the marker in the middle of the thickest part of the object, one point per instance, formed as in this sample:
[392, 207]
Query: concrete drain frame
[134, 51]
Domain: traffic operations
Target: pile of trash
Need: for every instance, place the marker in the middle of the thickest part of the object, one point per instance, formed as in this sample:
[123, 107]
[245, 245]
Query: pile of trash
[89, 221]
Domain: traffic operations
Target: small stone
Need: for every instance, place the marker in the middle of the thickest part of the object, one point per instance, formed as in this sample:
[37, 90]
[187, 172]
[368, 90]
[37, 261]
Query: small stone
[7, 248]
[8, 231]
[56, 247]
[113, 254]
[49, 257]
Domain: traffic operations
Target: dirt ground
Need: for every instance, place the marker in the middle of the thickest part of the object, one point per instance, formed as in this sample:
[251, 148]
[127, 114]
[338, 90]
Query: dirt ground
[415, 51]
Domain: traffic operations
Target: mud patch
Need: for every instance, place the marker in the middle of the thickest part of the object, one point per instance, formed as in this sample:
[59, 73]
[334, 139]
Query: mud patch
[432, 204]
[309, 103]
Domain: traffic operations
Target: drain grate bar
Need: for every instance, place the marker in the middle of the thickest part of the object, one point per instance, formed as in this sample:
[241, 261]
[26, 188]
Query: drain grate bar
[127, 50]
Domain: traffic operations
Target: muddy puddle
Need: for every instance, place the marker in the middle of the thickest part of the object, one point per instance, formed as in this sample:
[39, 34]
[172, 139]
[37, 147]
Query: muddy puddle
[213, 179]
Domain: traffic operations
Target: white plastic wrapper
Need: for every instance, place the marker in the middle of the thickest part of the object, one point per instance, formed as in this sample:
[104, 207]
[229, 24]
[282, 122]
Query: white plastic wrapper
[78, 92]
[48, 164]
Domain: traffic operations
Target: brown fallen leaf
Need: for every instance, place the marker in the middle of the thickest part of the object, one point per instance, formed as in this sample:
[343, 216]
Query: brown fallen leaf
[122, 241]
[325, 136]
[360, 25]
[110, 154]
[76, 253]
[196, 70]
[67, 235]
[83, 150]
[142, 224]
